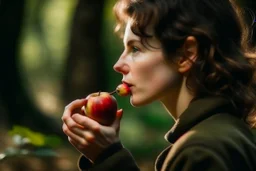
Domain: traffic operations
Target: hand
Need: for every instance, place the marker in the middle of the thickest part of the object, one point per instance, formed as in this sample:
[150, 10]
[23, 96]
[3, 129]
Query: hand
[86, 135]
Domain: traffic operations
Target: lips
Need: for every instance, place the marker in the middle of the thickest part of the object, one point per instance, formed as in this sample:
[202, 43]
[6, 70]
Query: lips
[129, 85]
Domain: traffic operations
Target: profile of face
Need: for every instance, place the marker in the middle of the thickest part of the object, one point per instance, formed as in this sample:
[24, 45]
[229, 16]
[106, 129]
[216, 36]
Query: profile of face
[146, 70]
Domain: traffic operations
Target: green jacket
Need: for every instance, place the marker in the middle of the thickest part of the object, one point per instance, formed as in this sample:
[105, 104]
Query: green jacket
[208, 136]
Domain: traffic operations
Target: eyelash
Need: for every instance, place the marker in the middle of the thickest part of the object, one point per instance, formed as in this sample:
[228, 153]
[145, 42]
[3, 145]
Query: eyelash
[135, 49]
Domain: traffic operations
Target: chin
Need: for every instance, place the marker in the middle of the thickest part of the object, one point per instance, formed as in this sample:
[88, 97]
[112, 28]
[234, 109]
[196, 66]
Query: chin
[139, 102]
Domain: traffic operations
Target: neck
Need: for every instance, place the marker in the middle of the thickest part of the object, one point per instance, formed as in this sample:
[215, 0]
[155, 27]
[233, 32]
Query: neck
[183, 97]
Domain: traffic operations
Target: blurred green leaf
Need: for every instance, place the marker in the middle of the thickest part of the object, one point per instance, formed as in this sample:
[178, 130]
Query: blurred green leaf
[35, 138]
[41, 152]
[52, 141]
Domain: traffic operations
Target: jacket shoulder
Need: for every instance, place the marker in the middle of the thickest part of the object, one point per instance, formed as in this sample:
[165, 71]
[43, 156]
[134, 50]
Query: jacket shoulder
[220, 132]
[221, 135]
[221, 127]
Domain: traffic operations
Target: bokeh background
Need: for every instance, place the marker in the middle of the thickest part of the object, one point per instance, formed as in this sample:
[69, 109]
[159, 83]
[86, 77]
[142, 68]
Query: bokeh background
[55, 51]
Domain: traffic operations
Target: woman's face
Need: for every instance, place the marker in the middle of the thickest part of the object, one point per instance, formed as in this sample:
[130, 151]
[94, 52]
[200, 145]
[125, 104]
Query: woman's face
[150, 76]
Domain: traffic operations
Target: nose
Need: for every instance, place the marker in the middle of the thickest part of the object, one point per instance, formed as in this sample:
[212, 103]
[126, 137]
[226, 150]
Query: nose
[121, 66]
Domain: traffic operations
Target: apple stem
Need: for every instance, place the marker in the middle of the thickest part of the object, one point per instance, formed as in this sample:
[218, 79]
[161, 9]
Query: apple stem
[99, 93]
[112, 92]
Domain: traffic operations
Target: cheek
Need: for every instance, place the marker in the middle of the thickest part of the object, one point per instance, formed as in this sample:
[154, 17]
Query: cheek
[165, 79]
[154, 83]
[161, 75]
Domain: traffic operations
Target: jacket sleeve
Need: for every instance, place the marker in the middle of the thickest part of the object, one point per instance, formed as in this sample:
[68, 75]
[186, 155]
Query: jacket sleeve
[197, 158]
[114, 157]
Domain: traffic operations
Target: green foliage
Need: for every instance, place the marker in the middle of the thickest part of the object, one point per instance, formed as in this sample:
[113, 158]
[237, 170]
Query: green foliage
[43, 54]
[23, 135]
[28, 142]
[142, 129]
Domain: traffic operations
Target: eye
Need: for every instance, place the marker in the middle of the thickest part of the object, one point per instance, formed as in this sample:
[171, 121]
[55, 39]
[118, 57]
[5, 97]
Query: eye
[134, 49]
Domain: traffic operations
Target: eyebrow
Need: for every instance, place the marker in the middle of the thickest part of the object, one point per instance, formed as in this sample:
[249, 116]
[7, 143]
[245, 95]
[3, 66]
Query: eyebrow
[131, 41]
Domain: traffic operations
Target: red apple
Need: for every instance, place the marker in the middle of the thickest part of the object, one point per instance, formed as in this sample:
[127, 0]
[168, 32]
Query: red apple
[123, 90]
[101, 107]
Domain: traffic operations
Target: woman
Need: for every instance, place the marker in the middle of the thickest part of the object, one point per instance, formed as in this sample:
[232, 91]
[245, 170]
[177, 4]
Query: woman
[194, 57]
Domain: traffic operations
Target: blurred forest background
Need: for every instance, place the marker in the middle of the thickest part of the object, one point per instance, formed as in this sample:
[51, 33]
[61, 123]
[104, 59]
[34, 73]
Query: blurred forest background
[55, 51]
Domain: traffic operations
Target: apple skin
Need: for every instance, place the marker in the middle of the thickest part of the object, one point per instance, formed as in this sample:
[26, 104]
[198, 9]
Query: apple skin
[101, 107]
[123, 90]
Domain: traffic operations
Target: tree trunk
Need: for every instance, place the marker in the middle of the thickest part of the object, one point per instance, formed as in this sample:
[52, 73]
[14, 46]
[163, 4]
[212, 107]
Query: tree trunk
[84, 71]
[17, 106]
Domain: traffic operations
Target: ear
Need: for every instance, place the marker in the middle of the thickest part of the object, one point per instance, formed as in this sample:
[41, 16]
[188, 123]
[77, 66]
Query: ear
[189, 54]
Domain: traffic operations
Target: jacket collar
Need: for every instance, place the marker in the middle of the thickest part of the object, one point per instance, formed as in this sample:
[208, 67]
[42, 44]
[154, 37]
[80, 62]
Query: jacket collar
[199, 109]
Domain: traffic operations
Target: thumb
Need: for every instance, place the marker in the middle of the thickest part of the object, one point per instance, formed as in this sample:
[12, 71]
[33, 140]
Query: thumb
[82, 110]
[119, 115]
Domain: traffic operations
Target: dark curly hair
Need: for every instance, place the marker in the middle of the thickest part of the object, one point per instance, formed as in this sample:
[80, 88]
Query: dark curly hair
[225, 65]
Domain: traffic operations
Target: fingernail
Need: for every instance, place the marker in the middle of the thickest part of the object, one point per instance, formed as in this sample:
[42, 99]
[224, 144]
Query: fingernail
[120, 113]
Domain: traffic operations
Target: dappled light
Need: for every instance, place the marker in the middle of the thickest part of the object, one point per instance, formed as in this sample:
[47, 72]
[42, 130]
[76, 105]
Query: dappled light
[64, 51]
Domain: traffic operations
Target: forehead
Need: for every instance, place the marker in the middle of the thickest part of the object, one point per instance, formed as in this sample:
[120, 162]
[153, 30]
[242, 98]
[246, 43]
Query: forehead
[129, 35]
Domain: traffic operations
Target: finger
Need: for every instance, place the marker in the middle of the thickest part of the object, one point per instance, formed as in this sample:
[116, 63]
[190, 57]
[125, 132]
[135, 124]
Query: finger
[75, 144]
[80, 132]
[71, 124]
[69, 133]
[80, 140]
[83, 110]
[90, 136]
[76, 104]
[86, 122]
[69, 109]
[119, 115]
[65, 128]
[87, 135]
